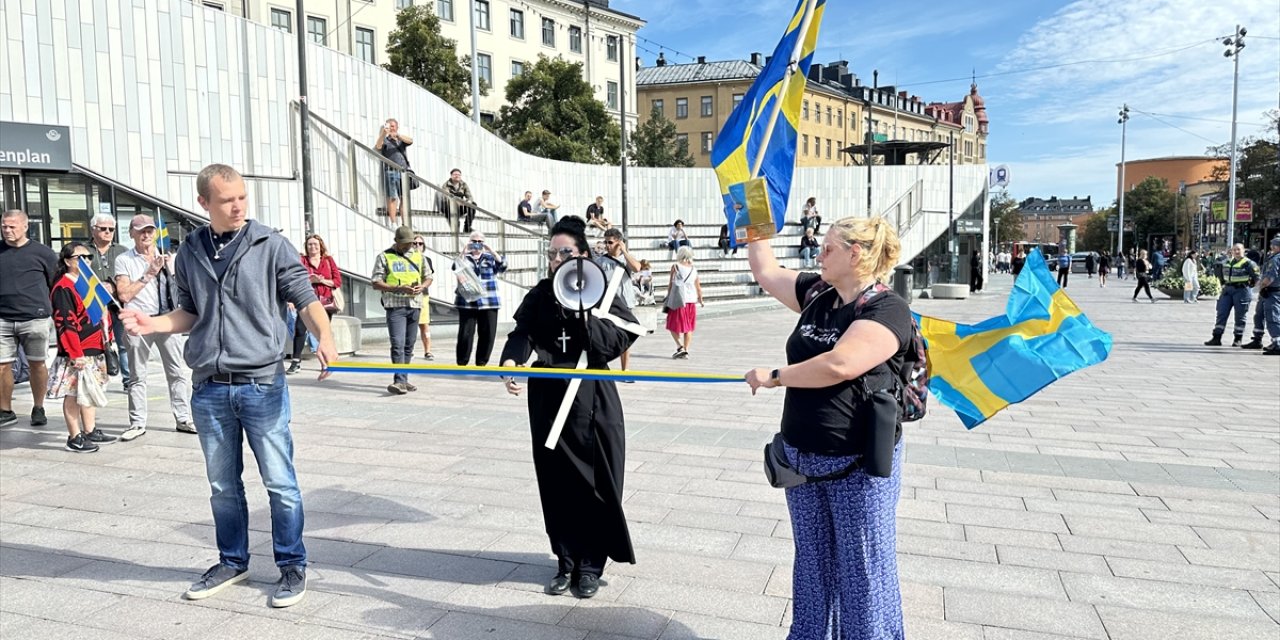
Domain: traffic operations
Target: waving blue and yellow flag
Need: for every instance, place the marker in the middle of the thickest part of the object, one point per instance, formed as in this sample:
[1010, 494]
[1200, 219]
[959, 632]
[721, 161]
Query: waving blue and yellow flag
[92, 292]
[979, 369]
[162, 234]
[761, 132]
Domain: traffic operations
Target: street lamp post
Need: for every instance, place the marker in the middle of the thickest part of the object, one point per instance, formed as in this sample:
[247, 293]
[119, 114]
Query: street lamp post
[1124, 126]
[304, 127]
[1234, 45]
[475, 69]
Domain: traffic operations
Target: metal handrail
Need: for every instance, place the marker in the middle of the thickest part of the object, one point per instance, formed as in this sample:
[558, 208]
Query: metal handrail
[914, 193]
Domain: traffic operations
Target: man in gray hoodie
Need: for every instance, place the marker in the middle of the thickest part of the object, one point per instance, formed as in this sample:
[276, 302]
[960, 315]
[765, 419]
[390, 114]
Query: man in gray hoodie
[234, 279]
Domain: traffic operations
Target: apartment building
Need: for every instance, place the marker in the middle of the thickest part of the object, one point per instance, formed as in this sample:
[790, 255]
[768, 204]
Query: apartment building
[1041, 217]
[510, 35]
[698, 97]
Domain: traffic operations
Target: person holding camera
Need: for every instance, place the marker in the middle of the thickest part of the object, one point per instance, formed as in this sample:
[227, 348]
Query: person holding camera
[398, 274]
[850, 342]
[392, 145]
[478, 311]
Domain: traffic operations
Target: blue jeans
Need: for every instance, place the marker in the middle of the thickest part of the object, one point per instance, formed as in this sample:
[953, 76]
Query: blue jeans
[118, 334]
[228, 414]
[1235, 297]
[402, 326]
[809, 254]
[676, 244]
[1267, 314]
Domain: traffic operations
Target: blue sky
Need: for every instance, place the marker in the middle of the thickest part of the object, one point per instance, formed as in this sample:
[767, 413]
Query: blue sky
[1055, 127]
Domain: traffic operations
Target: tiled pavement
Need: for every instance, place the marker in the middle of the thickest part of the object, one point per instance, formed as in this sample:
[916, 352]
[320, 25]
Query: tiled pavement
[1137, 499]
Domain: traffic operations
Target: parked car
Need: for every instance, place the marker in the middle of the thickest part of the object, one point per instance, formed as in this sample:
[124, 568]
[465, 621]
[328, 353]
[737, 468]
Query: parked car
[1078, 261]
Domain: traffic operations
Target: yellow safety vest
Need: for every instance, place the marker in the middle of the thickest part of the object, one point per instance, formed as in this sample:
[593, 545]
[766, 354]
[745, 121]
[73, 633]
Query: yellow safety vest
[403, 270]
[1235, 273]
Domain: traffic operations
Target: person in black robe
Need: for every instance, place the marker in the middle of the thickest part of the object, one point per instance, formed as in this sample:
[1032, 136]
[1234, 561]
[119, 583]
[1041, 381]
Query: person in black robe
[580, 480]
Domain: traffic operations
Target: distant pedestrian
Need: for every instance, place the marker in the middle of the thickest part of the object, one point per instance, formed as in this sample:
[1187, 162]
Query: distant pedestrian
[461, 201]
[1090, 264]
[1267, 312]
[103, 252]
[683, 320]
[1019, 261]
[725, 245]
[809, 249]
[1158, 262]
[80, 353]
[393, 145]
[398, 275]
[1064, 268]
[809, 217]
[145, 283]
[481, 313]
[1239, 275]
[234, 278]
[1104, 268]
[28, 270]
[1142, 269]
[424, 315]
[975, 271]
[1191, 278]
[325, 279]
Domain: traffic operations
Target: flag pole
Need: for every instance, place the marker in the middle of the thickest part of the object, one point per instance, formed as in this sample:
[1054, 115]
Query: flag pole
[792, 66]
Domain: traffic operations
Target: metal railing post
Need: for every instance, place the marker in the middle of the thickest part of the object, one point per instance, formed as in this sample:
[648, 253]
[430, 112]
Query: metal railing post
[355, 180]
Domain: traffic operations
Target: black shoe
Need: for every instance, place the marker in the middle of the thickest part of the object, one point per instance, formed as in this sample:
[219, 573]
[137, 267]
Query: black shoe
[38, 418]
[217, 578]
[588, 585]
[1215, 341]
[1273, 350]
[79, 444]
[558, 584]
[294, 367]
[1255, 343]
[7, 418]
[292, 587]
[98, 437]
[1236, 342]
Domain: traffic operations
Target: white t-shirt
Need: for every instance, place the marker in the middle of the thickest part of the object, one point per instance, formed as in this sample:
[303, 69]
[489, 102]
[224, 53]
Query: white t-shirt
[133, 266]
[685, 277]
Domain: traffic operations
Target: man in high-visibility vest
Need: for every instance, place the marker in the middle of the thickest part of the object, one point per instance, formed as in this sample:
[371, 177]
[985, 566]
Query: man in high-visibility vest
[398, 274]
[1239, 275]
[1267, 312]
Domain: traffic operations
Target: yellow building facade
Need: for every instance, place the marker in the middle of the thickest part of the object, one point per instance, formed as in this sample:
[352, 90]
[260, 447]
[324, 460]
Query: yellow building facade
[699, 97]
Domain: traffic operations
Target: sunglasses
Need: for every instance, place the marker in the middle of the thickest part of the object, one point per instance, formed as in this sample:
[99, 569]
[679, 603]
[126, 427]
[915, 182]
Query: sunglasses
[563, 253]
[80, 255]
[105, 228]
[419, 244]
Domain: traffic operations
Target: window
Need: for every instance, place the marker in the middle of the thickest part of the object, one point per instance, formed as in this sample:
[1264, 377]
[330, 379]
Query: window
[549, 32]
[682, 108]
[213, 5]
[706, 141]
[482, 15]
[517, 68]
[282, 20]
[575, 39]
[658, 106]
[737, 100]
[317, 30]
[484, 67]
[682, 141]
[804, 110]
[828, 148]
[444, 9]
[403, 4]
[364, 44]
[611, 48]
[517, 24]
[840, 118]
[611, 94]
[828, 116]
[706, 106]
[806, 143]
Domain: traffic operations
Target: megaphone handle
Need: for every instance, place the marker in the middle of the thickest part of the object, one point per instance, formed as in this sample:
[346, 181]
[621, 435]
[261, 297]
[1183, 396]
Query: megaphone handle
[563, 414]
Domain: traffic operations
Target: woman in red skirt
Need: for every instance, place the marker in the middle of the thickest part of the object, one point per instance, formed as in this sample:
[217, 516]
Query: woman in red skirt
[682, 320]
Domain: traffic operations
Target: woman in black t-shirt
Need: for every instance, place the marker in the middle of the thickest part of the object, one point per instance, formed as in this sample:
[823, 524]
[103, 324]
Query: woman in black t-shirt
[851, 337]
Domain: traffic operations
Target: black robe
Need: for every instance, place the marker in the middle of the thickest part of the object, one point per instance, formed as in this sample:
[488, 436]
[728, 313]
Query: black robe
[580, 481]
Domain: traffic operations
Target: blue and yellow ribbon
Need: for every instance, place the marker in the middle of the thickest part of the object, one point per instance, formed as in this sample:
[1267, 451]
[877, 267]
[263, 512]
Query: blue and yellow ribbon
[530, 372]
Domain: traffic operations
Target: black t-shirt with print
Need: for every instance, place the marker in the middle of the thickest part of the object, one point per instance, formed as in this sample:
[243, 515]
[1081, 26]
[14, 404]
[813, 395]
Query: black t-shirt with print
[823, 420]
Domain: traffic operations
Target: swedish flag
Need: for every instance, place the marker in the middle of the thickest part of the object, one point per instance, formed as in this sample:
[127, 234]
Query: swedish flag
[977, 370]
[755, 135]
[93, 293]
[162, 234]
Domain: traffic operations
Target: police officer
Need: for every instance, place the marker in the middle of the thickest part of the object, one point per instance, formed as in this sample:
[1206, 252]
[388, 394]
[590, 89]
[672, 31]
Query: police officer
[1239, 275]
[398, 274]
[1268, 308]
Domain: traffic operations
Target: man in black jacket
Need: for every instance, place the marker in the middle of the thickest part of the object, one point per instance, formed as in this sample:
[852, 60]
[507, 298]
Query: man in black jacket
[29, 269]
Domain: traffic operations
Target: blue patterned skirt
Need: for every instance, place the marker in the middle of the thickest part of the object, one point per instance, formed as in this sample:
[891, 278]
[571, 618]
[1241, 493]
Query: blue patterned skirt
[845, 583]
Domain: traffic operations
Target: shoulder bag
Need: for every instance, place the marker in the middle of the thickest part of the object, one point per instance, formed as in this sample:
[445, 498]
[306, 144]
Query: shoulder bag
[675, 294]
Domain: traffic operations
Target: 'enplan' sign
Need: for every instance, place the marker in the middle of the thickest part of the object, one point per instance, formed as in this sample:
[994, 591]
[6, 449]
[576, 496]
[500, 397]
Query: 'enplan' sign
[35, 146]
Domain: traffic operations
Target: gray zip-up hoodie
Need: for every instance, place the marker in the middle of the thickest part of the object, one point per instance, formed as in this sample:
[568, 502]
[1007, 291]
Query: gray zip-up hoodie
[240, 320]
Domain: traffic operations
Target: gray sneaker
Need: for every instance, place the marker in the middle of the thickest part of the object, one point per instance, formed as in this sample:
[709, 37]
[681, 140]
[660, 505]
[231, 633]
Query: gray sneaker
[217, 578]
[186, 427]
[132, 433]
[292, 587]
[7, 417]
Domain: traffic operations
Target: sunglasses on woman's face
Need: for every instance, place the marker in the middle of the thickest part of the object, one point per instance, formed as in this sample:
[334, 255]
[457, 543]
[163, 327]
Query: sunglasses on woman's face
[563, 253]
[419, 244]
[79, 255]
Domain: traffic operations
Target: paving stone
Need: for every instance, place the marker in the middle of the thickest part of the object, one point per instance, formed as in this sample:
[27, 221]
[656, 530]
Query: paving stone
[1191, 574]
[639, 622]
[680, 568]
[928, 629]
[1144, 624]
[955, 549]
[701, 600]
[428, 564]
[1020, 612]
[1018, 537]
[1050, 559]
[1162, 596]
[1006, 518]
[688, 626]
[1132, 531]
[1122, 548]
[994, 577]
[1233, 558]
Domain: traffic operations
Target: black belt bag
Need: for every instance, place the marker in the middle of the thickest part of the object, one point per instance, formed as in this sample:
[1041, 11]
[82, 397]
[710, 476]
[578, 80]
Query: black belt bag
[880, 428]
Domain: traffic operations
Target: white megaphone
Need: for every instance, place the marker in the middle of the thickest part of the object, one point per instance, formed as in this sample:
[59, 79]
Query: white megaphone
[579, 284]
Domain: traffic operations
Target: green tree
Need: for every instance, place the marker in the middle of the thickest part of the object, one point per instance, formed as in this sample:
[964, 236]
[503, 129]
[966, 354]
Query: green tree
[1095, 236]
[1150, 206]
[1257, 169]
[655, 144]
[553, 113]
[417, 52]
[1004, 212]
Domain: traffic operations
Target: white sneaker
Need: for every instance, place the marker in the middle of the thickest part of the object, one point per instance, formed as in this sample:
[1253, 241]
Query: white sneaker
[133, 433]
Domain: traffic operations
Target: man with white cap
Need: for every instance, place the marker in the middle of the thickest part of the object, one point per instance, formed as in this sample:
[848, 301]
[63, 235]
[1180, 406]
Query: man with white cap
[144, 282]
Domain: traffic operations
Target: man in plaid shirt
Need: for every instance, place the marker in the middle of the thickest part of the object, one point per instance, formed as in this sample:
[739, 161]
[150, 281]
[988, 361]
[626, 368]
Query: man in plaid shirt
[482, 310]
